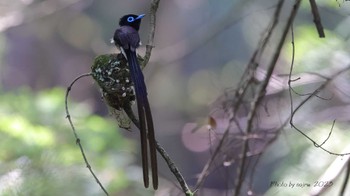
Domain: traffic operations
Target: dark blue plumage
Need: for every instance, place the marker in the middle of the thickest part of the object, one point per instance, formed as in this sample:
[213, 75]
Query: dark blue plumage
[127, 38]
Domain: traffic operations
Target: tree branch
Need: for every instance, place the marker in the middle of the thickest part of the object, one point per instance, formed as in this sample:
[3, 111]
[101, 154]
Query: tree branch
[77, 139]
[152, 26]
[317, 18]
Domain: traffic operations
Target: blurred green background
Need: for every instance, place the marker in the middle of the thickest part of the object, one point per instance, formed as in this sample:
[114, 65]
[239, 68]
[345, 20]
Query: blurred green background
[201, 48]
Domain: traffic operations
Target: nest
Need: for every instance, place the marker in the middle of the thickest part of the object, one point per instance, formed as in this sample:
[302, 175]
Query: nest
[112, 74]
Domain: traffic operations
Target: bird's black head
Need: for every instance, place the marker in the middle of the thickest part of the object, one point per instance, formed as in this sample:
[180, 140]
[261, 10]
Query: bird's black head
[131, 20]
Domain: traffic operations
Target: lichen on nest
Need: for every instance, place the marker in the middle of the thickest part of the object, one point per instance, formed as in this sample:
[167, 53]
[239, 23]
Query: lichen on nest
[112, 74]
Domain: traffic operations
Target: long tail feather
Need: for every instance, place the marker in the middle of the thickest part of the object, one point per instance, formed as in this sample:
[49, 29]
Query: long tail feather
[145, 118]
[152, 146]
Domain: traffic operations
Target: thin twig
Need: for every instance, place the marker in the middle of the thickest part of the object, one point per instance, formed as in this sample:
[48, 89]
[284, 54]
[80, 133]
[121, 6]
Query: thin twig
[77, 139]
[321, 87]
[309, 94]
[329, 135]
[346, 180]
[152, 26]
[291, 71]
[317, 18]
[205, 172]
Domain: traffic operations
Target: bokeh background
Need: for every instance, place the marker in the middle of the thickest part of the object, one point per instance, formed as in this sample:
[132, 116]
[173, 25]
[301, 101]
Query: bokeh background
[201, 49]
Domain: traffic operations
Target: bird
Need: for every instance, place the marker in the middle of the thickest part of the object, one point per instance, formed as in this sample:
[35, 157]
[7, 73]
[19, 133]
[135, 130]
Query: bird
[127, 39]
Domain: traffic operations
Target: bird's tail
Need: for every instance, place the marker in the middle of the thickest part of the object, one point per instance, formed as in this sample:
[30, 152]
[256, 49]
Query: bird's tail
[145, 118]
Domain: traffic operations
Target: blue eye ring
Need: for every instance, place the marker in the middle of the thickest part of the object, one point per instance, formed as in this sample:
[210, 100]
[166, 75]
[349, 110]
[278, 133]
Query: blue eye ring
[130, 19]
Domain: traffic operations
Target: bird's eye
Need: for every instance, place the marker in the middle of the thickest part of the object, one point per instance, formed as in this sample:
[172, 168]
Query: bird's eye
[130, 19]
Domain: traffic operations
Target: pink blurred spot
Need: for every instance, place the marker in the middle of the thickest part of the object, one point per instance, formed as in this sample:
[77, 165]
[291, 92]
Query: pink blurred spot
[196, 138]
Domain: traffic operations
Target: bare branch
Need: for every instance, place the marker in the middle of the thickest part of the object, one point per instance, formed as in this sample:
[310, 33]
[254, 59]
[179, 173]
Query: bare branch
[321, 87]
[310, 95]
[329, 135]
[317, 18]
[152, 26]
[76, 134]
[205, 172]
[346, 180]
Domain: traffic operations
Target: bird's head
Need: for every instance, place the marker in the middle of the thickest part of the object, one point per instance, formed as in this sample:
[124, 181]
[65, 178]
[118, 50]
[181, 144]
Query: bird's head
[131, 20]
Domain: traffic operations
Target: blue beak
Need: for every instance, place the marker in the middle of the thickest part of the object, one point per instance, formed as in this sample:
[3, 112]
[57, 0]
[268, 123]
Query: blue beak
[140, 17]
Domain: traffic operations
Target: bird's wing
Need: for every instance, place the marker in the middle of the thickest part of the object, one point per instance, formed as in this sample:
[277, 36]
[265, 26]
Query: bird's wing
[127, 38]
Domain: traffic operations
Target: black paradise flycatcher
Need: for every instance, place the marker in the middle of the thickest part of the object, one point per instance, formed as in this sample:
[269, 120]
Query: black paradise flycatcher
[127, 38]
